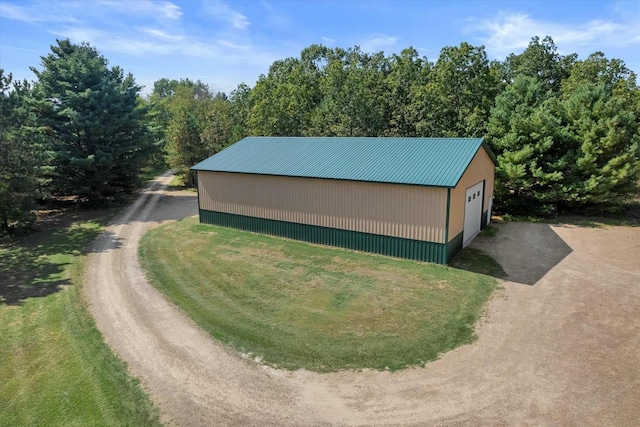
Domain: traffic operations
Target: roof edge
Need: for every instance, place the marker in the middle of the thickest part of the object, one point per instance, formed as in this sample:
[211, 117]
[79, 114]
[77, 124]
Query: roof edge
[492, 156]
[487, 150]
[328, 179]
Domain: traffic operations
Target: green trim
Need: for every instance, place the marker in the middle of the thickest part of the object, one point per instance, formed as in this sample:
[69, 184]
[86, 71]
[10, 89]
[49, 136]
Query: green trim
[483, 221]
[454, 246]
[446, 227]
[384, 245]
[198, 192]
[492, 156]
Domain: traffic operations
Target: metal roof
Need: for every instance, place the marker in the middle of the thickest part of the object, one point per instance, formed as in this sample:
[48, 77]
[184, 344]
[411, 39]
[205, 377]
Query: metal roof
[437, 162]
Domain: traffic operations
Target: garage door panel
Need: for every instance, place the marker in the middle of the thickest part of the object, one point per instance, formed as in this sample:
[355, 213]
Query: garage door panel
[472, 212]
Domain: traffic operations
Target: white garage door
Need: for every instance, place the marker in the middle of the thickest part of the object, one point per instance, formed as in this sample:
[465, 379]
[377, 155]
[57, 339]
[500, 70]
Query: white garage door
[472, 213]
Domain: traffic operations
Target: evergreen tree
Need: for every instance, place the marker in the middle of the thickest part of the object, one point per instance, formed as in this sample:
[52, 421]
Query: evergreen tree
[90, 116]
[569, 143]
[600, 107]
[526, 134]
[21, 158]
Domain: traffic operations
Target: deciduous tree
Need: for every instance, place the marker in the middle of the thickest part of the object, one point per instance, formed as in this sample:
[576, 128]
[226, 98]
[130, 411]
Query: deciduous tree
[200, 125]
[459, 94]
[541, 61]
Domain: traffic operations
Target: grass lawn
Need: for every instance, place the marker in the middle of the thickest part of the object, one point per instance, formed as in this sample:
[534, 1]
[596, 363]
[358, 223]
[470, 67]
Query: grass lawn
[55, 369]
[295, 305]
[177, 183]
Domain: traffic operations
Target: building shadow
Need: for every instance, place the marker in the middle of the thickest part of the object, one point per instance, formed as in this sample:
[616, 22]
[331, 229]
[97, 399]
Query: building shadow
[524, 252]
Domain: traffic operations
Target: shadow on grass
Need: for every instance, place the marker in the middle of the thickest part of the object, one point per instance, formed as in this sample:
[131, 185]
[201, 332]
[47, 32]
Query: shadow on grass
[34, 265]
[476, 261]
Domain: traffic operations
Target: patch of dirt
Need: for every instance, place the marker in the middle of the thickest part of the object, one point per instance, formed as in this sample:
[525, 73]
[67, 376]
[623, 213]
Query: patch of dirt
[565, 351]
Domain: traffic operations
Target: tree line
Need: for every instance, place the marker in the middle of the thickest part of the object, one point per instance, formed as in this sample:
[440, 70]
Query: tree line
[78, 130]
[565, 131]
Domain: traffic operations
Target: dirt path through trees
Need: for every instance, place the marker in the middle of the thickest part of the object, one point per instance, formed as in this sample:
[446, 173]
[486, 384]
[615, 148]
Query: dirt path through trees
[565, 351]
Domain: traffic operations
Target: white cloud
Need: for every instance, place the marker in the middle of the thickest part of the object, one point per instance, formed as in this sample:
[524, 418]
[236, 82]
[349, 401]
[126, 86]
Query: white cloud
[328, 41]
[154, 32]
[222, 11]
[147, 41]
[154, 38]
[71, 11]
[275, 18]
[377, 42]
[34, 15]
[81, 34]
[150, 41]
[511, 31]
[151, 8]
[147, 27]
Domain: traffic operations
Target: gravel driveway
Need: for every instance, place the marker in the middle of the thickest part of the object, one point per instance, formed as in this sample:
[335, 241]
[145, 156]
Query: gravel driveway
[565, 351]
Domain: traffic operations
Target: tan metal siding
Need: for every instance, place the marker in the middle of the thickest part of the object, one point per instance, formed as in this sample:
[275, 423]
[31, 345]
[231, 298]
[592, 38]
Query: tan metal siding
[480, 168]
[412, 212]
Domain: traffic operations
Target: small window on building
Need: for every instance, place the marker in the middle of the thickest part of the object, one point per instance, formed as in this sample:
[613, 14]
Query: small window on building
[469, 198]
[474, 196]
[478, 193]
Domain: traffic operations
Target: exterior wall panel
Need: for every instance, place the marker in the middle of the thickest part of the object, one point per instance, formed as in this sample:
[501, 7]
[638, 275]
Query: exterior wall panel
[403, 211]
[384, 245]
[480, 168]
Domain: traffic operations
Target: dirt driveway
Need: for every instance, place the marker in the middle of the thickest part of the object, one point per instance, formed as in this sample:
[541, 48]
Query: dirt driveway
[565, 351]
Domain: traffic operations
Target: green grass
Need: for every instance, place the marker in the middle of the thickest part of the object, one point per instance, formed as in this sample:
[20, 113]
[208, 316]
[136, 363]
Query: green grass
[490, 230]
[295, 305]
[149, 173]
[475, 260]
[55, 369]
[177, 183]
[624, 214]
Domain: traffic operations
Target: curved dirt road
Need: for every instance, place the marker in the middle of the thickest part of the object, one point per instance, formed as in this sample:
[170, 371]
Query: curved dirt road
[563, 352]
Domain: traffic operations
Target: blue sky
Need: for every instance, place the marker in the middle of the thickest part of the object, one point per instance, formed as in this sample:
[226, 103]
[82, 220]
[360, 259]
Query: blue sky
[224, 43]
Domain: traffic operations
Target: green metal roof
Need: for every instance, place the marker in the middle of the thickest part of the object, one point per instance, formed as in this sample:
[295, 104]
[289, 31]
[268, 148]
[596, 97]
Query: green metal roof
[420, 161]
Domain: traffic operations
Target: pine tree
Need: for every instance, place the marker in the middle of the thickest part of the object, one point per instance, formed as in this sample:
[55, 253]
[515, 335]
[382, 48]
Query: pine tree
[600, 106]
[89, 114]
[21, 158]
[526, 134]
[569, 143]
